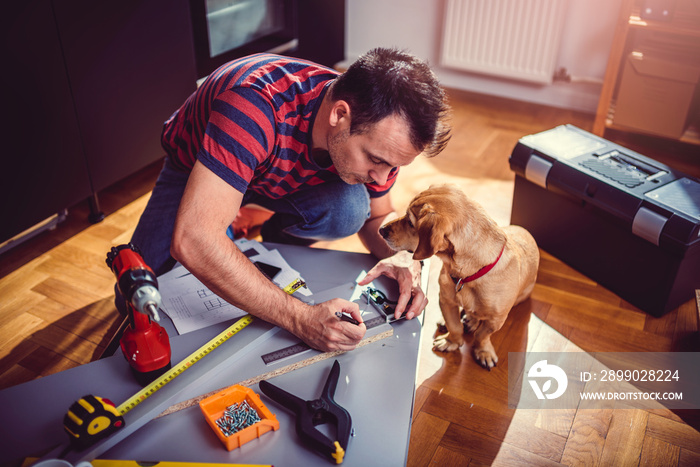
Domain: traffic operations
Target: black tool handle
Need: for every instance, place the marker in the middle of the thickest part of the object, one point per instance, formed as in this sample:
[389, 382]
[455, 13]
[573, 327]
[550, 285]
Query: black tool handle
[331, 382]
[343, 421]
[315, 412]
[306, 414]
[281, 396]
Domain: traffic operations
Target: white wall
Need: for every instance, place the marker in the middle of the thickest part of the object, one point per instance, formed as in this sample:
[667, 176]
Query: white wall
[416, 25]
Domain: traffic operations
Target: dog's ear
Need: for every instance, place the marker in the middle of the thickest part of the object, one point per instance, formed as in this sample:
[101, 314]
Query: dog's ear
[431, 233]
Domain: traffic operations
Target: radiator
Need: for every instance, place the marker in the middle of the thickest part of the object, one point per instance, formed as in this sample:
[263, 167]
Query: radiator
[516, 39]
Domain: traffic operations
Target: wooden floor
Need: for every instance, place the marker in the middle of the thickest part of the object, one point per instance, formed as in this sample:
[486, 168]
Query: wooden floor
[56, 312]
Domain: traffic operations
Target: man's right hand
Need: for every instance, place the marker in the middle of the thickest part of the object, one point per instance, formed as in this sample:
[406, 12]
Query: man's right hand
[322, 329]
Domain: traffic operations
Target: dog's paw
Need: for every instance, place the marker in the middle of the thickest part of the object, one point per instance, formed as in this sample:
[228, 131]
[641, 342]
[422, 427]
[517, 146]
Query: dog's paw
[443, 344]
[441, 327]
[469, 323]
[486, 358]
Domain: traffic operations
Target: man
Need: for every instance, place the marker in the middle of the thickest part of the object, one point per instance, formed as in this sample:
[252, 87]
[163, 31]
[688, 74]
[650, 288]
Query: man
[319, 149]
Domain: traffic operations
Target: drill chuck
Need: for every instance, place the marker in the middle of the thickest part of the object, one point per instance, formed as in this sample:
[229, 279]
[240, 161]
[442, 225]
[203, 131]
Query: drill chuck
[136, 281]
[146, 299]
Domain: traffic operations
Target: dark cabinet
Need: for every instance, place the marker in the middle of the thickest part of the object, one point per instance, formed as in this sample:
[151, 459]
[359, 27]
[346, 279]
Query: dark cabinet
[88, 86]
[131, 65]
[321, 31]
[43, 169]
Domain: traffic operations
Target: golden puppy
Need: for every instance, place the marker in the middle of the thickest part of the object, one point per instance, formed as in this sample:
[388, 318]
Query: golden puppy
[486, 269]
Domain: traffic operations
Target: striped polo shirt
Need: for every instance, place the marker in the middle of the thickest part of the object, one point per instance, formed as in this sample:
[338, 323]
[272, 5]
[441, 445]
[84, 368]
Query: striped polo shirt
[250, 123]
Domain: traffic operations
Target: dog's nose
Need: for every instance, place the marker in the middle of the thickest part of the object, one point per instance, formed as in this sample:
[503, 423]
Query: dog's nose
[383, 231]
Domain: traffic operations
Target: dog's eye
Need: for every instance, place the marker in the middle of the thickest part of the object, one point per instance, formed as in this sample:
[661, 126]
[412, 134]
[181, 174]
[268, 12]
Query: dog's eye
[408, 221]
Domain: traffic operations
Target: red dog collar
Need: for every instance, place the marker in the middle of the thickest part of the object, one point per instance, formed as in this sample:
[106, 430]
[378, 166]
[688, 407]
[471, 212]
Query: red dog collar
[460, 283]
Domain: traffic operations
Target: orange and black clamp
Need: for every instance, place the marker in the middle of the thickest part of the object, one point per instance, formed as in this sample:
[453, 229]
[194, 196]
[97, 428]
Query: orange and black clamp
[310, 414]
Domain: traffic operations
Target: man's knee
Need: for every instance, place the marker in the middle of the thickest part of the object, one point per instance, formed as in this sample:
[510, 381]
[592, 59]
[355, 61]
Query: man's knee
[326, 212]
[347, 211]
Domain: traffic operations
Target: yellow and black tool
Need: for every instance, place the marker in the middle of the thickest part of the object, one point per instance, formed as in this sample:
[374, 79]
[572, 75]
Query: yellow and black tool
[90, 419]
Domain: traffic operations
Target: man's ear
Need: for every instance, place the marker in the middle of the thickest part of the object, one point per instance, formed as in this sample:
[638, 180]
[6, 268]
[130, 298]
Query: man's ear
[340, 113]
[430, 230]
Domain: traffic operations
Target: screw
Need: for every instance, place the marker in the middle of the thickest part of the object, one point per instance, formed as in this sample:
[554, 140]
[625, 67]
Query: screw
[237, 417]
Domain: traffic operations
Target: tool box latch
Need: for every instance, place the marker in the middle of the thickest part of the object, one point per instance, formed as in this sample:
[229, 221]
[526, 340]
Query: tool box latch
[536, 170]
[648, 225]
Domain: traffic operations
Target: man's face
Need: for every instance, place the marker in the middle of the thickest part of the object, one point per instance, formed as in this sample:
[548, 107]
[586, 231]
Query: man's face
[369, 156]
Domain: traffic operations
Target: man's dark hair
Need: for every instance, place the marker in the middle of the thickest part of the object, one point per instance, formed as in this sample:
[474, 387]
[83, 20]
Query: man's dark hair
[385, 81]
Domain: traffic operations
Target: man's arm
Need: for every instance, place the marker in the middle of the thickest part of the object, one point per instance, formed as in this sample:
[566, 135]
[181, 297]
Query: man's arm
[381, 212]
[399, 266]
[200, 243]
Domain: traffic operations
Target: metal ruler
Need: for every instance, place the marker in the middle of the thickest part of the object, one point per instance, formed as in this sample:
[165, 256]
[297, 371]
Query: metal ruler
[276, 355]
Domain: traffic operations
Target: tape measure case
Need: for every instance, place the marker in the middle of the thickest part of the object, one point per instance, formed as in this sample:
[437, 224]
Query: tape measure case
[213, 408]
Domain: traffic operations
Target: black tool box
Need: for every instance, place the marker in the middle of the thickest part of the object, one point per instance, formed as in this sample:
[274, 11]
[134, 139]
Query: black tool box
[626, 221]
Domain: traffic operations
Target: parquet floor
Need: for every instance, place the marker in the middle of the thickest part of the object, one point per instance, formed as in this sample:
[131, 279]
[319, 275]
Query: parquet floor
[56, 312]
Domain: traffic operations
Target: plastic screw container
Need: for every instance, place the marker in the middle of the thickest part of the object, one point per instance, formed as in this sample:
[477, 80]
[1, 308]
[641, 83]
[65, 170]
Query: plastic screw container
[213, 408]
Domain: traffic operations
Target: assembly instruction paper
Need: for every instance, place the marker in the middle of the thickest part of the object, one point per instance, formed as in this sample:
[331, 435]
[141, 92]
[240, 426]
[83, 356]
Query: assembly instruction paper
[191, 305]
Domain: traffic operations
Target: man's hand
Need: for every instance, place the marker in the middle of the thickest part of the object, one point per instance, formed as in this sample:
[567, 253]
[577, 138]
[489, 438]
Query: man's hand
[406, 271]
[322, 329]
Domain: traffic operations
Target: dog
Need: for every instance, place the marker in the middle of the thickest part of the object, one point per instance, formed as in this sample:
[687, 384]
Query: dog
[486, 269]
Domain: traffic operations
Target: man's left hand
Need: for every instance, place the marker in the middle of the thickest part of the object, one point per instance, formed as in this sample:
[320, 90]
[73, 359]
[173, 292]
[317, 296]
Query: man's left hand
[407, 272]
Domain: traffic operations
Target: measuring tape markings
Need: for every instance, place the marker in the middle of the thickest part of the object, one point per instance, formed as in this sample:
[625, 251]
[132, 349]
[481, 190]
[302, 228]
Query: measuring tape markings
[184, 364]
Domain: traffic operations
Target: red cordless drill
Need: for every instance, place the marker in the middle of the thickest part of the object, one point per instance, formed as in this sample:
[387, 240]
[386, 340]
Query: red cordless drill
[145, 343]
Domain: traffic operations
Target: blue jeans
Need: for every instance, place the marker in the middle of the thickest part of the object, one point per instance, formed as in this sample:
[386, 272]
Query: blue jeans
[323, 212]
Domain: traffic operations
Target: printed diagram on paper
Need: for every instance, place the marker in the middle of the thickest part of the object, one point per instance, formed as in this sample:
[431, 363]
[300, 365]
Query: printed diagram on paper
[191, 305]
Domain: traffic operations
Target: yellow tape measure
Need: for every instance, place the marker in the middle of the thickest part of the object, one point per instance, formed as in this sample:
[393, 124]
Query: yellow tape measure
[294, 286]
[184, 364]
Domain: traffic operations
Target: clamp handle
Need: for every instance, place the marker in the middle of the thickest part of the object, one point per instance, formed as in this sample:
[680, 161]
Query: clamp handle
[317, 412]
[281, 396]
[343, 421]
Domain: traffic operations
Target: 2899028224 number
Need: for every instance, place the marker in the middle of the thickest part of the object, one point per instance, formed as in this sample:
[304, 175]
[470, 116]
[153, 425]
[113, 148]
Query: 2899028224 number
[639, 375]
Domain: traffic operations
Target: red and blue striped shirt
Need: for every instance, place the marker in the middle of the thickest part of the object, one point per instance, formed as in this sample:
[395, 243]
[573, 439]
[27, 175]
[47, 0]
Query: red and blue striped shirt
[250, 123]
